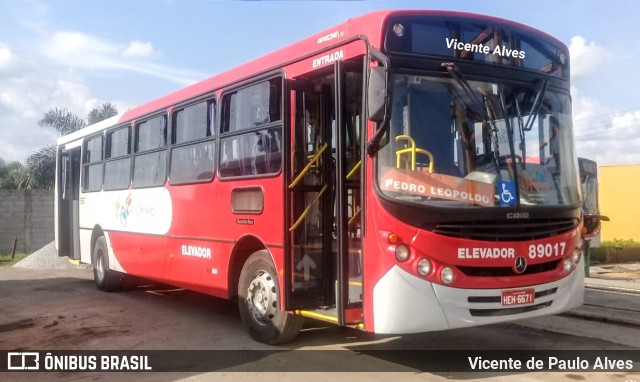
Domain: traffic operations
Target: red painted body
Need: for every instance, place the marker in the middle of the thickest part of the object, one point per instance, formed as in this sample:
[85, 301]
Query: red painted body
[202, 219]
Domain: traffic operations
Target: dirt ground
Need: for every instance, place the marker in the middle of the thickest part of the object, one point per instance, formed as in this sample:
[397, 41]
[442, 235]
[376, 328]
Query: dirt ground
[63, 310]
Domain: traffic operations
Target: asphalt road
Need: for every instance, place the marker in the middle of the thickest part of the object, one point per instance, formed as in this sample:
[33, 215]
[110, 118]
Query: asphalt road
[62, 310]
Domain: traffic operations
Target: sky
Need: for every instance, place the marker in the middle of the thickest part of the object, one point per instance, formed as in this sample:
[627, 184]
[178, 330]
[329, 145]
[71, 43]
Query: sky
[77, 54]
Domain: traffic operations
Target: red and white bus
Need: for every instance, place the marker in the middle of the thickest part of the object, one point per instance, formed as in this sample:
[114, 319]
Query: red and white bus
[405, 171]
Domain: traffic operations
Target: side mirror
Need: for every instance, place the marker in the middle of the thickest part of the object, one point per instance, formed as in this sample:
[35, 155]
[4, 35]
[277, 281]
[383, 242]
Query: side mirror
[592, 224]
[377, 94]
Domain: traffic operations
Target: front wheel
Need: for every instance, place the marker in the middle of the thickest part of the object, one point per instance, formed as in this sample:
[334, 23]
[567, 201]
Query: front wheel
[259, 302]
[105, 278]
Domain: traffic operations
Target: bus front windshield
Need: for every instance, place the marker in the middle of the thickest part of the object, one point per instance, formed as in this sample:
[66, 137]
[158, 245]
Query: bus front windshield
[489, 144]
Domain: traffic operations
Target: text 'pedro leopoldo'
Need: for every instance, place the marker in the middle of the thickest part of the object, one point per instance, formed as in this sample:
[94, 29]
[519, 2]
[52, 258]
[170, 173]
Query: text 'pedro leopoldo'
[600, 363]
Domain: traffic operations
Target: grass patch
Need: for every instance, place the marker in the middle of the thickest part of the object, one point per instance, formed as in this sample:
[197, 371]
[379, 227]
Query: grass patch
[616, 251]
[7, 261]
[597, 254]
[620, 243]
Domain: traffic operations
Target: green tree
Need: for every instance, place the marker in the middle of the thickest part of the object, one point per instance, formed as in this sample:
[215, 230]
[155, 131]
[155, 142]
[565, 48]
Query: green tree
[41, 169]
[12, 174]
[102, 112]
[41, 165]
[62, 120]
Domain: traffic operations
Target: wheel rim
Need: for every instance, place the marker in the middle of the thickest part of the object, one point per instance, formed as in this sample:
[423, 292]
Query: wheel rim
[262, 298]
[100, 266]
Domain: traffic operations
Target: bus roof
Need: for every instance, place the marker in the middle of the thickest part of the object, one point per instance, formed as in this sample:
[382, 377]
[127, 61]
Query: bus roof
[91, 129]
[369, 26]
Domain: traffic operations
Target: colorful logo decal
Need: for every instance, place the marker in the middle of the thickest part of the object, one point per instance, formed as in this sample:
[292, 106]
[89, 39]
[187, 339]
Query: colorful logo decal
[123, 209]
[146, 211]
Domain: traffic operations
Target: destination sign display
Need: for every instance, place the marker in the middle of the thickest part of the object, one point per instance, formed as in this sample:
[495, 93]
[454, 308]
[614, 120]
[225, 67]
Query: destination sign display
[477, 40]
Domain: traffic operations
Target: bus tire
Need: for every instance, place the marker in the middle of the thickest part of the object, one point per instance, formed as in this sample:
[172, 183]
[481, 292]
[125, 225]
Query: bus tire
[259, 302]
[105, 278]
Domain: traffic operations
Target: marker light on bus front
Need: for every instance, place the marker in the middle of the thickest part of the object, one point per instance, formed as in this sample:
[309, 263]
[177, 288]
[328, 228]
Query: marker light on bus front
[424, 267]
[402, 252]
[567, 265]
[447, 275]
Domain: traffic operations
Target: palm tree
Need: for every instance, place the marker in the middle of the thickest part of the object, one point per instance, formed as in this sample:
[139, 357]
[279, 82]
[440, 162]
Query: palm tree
[41, 165]
[62, 120]
[104, 111]
[41, 169]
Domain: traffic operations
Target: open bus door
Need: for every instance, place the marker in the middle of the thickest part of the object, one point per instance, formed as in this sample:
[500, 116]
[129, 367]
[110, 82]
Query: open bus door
[324, 257]
[68, 203]
[590, 208]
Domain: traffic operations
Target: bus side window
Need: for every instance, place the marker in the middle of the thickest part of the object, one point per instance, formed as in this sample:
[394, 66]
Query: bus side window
[230, 163]
[194, 144]
[92, 164]
[251, 133]
[117, 168]
[150, 160]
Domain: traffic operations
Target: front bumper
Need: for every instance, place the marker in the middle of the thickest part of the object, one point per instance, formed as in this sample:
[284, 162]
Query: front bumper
[404, 303]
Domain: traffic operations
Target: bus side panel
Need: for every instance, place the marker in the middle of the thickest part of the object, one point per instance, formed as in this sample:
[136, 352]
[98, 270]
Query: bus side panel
[242, 226]
[135, 223]
[85, 245]
[193, 258]
[90, 215]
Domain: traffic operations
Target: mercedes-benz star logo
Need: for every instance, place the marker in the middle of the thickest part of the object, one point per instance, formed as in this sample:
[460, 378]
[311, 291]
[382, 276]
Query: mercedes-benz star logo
[520, 265]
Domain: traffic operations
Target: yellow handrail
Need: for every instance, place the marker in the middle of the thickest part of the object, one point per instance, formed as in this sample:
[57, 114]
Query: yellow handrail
[354, 217]
[412, 149]
[427, 153]
[354, 169]
[409, 150]
[412, 160]
[308, 209]
[308, 166]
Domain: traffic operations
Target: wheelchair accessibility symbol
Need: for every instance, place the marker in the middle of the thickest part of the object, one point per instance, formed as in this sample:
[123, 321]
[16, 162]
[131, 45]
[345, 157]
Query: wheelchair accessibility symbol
[507, 193]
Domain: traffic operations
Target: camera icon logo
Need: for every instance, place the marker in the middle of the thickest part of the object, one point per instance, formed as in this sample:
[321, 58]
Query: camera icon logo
[23, 361]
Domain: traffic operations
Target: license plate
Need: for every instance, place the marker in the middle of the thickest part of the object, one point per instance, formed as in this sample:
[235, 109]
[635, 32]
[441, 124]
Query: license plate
[518, 297]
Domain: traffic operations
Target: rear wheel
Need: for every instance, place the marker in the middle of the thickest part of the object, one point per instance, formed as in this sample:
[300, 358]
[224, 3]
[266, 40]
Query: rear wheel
[105, 278]
[259, 302]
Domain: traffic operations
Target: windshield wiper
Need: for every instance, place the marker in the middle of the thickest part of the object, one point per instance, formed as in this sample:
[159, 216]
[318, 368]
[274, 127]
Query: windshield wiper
[494, 130]
[521, 130]
[514, 165]
[525, 127]
[454, 72]
[537, 102]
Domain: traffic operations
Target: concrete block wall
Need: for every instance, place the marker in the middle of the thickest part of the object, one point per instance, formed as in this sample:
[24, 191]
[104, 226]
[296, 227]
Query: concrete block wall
[28, 216]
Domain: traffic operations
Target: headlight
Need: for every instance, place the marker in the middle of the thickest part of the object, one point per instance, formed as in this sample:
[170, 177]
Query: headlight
[424, 267]
[575, 255]
[402, 252]
[447, 275]
[567, 265]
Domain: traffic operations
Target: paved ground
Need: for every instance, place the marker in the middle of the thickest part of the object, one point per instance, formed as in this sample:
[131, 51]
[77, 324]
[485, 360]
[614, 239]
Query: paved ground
[62, 309]
[621, 278]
